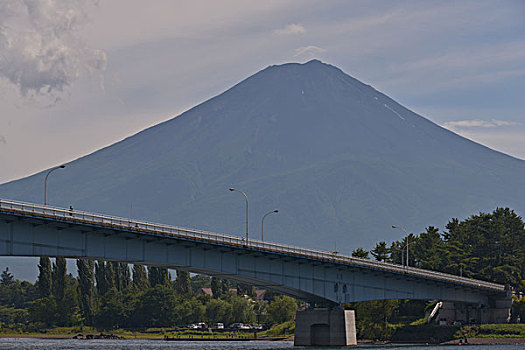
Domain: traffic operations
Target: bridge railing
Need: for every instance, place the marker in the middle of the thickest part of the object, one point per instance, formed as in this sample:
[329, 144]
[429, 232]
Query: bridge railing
[139, 226]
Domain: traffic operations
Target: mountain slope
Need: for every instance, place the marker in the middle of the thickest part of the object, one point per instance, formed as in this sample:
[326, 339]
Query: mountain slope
[341, 161]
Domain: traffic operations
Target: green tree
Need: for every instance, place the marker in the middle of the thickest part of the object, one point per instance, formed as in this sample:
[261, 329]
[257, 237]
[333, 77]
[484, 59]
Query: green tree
[183, 283]
[59, 278]
[225, 286]
[7, 277]
[428, 250]
[100, 277]
[44, 282]
[218, 310]
[140, 278]
[86, 289]
[360, 253]
[113, 312]
[156, 307]
[381, 252]
[487, 246]
[110, 275]
[216, 287]
[282, 309]
[124, 276]
[43, 311]
[242, 310]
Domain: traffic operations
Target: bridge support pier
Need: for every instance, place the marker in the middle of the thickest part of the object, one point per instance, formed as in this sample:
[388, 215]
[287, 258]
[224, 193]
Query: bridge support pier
[324, 327]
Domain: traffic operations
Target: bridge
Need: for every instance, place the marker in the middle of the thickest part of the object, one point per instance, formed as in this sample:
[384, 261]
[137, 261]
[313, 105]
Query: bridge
[315, 276]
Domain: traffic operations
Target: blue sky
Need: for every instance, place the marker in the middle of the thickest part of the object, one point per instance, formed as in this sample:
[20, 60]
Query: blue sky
[79, 75]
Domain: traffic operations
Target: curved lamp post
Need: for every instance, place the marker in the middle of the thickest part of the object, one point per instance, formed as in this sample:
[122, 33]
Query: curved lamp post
[45, 180]
[245, 197]
[402, 229]
[262, 222]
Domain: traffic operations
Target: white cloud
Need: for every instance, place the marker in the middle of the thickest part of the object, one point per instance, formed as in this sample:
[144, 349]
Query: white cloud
[291, 29]
[3, 139]
[511, 142]
[40, 52]
[476, 123]
[308, 51]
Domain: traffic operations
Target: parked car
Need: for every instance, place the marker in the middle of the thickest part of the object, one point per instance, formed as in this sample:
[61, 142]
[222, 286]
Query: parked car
[239, 326]
[218, 325]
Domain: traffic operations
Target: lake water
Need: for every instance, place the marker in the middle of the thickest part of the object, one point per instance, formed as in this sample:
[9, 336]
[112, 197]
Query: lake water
[136, 344]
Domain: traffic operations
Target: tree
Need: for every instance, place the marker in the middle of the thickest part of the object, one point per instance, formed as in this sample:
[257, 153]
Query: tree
[112, 310]
[225, 286]
[100, 277]
[59, 278]
[218, 310]
[381, 252]
[158, 275]
[428, 249]
[216, 287]
[282, 309]
[44, 282]
[487, 246]
[110, 275]
[156, 307]
[183, 283]
[242, 310]
[7, 277]
[140, 278]
[360, 253]
[86, 289]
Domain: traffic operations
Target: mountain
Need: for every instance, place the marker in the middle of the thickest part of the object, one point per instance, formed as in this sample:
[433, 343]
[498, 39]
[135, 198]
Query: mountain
[341, 161]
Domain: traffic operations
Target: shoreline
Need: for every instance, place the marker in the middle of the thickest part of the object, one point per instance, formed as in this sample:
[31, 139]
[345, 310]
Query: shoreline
[469, 341]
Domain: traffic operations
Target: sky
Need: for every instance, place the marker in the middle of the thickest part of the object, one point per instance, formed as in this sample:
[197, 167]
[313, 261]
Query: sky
[78, 75]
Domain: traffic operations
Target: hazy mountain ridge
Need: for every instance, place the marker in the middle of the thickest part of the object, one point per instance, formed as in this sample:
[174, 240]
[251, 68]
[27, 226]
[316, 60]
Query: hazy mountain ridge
[340, 160]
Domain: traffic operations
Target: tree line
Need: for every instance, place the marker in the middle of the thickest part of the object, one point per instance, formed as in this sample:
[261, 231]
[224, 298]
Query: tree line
[486, 246]
[109, 295]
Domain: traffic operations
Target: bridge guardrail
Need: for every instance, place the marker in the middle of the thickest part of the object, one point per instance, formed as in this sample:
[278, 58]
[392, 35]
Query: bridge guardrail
[218, 238]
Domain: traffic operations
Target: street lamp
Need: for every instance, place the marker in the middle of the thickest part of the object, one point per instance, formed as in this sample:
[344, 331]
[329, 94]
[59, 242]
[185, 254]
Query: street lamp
[245, 197]
[45, 181]
[262, 222]
[402, 229]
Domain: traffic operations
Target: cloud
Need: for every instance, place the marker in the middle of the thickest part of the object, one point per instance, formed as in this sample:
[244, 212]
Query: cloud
[308, 51]
[291, 29]
[40, 52]
[474, 123]
[3, 140]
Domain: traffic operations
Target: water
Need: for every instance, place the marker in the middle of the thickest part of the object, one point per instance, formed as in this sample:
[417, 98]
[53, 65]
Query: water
[139, 344]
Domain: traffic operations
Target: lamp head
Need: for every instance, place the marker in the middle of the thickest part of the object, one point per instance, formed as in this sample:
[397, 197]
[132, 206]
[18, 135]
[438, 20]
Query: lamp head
[62, 166]
[276, 211]
[394, 226]
[232, 189]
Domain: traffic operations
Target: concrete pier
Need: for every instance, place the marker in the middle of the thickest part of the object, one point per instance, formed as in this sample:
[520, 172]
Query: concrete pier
[325, 327]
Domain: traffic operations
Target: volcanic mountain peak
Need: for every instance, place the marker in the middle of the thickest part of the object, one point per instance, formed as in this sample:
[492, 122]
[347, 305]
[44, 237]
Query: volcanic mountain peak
[340, 160]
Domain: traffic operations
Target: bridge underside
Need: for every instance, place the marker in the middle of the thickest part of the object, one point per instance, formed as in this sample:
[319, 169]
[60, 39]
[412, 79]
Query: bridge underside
[308, 279]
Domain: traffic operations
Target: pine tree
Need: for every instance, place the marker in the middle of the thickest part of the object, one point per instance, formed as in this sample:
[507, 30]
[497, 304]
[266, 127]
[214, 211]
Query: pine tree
[44, 282]
[380, 252]
[7, 277]
[360, 253]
